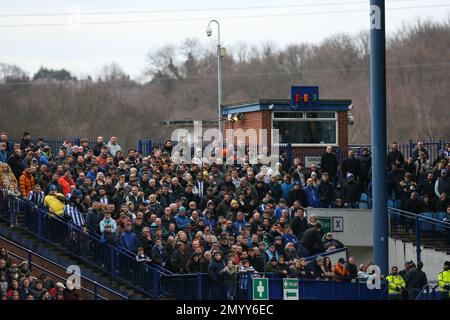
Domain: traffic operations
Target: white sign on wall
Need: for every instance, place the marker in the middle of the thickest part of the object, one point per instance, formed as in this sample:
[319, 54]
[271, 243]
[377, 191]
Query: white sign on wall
[309, 160]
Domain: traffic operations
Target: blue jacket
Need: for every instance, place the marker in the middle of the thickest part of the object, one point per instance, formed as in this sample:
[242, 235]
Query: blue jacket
[3, 156]
[285, 188]
[237, 225]
[313, 196]
[128, 240]
[290, 238]
[181, 221]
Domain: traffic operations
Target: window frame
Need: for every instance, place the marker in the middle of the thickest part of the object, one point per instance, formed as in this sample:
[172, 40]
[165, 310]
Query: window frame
[305, 119]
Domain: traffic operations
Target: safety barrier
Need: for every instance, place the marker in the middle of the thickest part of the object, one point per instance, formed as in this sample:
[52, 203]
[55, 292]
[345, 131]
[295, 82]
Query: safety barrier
[424, 229]
[115, 261]
[199, 287]
[88, 287]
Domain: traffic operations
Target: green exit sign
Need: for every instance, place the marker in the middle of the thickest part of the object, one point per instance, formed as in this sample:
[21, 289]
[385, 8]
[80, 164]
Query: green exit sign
[326, 224]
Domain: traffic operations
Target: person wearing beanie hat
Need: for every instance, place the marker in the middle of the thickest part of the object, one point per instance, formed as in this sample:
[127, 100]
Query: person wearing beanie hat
[181, 219]
[351, 192]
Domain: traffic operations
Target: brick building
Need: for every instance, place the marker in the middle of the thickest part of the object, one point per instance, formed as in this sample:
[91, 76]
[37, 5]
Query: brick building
[307, 124]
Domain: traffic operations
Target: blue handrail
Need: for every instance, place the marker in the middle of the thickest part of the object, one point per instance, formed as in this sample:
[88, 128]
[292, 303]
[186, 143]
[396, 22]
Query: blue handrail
[30, 257]
[119, 263]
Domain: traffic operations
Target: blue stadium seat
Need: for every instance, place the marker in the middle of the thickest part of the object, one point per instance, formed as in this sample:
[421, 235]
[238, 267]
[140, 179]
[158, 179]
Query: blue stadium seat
[425, 225]
[364, 201]
[390, 203]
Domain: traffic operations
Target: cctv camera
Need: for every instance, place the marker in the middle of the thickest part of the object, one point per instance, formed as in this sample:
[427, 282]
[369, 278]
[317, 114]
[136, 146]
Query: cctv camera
[208, 31]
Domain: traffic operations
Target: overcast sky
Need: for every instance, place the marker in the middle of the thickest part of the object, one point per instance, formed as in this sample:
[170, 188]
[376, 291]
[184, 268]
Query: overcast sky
[72, 42]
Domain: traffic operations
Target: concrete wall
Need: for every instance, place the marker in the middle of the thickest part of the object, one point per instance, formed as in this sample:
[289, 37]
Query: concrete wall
[433, 260]
[357, 225]
[357, 237]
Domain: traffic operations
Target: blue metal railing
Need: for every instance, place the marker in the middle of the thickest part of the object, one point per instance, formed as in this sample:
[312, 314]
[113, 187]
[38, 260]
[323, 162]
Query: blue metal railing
[29, 258]
[115, 261]
[422, 229]
[199, 287]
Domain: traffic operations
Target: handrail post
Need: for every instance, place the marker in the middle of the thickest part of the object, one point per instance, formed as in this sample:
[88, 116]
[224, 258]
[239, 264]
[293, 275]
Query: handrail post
[249, 287]
[30, 260]
[199, 287]
[418, 238]
[39, 223]
[95, 290]
[289, 154]
[155, 283]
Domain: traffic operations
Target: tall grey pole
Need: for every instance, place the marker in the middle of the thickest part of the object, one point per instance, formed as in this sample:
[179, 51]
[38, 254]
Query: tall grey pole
[379, 136]
[219, 72]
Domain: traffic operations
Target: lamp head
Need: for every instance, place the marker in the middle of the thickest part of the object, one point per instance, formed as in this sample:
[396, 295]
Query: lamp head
[208, 31]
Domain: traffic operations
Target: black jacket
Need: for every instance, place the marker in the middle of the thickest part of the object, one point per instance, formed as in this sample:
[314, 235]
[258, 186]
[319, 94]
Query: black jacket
[179, 261]
[214, 269]
[329, 163]
[312, 241]
[351, 192]
[416, 279]
[299, 195]
[326, 192]
[350, 165]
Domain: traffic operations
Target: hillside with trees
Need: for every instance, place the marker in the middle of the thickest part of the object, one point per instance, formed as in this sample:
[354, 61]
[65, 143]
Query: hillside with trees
[181, 82]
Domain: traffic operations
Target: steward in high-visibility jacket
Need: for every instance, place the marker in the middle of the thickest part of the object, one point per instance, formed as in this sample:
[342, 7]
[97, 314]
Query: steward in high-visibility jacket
[444, 281]
[396, 284]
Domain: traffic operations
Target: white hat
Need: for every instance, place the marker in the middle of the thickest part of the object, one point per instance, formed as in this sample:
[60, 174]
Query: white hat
[60, 285]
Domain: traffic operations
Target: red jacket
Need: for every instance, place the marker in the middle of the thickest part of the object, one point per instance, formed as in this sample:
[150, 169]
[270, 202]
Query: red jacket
[65, 184]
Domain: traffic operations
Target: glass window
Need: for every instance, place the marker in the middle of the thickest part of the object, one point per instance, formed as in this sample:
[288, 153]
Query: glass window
[306, 132]
[320, 115]
[290, 115]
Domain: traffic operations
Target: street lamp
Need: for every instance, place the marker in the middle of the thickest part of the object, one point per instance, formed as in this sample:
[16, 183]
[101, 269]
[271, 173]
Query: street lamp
[220, 54]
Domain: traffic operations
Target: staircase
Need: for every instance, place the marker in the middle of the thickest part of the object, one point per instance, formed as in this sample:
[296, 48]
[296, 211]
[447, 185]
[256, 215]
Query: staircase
[56, 254]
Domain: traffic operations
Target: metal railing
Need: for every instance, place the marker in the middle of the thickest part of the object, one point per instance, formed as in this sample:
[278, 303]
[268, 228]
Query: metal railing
[115, 261]
[423, 230]
[200, 287]
[94, 292]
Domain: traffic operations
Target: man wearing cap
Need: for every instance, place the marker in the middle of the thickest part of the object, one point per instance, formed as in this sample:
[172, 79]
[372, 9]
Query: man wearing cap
[444, 281]
[54, 201]
[329, 242]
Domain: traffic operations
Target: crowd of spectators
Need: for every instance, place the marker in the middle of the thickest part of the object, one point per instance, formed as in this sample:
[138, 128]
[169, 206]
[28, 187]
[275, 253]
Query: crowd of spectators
[17, 282]
[208, 216]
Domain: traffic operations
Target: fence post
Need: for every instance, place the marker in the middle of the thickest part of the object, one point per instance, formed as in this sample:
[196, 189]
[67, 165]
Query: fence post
[249, 287]
[77, 141]
[39, 224]
[113, 262]
[30, 260]
[95, 290]
[149, 147]
[155, 283]
[199, 286]
[418, 238]
[289, 154]
[139, 146]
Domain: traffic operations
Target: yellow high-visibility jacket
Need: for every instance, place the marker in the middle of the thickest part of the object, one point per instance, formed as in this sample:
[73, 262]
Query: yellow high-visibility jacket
[444, 280]
[396, 283]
